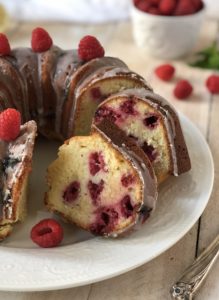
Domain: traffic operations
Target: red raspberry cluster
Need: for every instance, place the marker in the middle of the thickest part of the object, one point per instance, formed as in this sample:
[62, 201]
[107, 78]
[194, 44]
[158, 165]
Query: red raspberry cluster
[169, 7]
[183, 88]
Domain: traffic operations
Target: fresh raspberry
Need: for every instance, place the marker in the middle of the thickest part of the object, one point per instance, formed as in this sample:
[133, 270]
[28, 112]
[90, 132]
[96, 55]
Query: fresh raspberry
[10, 122]
[155, 2]
[89, 47]
[154, 11]
[41, 40]
[183, 89]
[184, 7]
[143, 5]
[165, 72]
[198, 4]
[47, 233]
[4, 45]
[212, 84]
[166, 7]
[136, 2]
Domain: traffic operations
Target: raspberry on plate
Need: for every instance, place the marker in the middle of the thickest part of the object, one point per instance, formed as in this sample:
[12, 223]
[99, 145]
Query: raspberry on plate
[10, 122]
[47, 233]
[212, 84]
[41, 40]
[165, 72]
[89, 47]
[4, 45]
[183, 89]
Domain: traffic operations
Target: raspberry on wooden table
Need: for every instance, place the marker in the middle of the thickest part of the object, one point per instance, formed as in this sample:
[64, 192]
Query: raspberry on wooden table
[183, 89]
[47, 233]
[212, 84]
[10, 122]
[165, 72]
[41, 40]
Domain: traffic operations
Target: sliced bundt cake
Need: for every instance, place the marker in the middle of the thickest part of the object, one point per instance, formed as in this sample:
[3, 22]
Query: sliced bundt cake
[60, 89]
[153, 124]
[104, 183]
[15, 166]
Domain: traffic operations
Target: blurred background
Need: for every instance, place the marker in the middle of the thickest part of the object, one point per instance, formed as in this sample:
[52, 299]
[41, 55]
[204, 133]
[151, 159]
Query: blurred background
[86, 11]
[68, 20]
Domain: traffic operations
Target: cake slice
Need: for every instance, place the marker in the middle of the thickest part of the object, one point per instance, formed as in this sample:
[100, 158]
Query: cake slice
[15, 166]
[153, 124]
[103, 183]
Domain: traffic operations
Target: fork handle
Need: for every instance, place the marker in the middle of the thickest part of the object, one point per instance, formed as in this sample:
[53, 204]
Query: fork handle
[193, 277]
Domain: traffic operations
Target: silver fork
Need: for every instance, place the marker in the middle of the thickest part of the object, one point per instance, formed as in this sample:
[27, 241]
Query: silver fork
[191, 280]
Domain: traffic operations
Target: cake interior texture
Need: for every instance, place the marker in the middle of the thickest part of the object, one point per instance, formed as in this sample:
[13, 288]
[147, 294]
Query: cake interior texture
[96, 187]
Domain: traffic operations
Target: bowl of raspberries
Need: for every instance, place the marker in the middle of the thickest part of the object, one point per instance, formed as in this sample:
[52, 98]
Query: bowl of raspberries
[167, 29]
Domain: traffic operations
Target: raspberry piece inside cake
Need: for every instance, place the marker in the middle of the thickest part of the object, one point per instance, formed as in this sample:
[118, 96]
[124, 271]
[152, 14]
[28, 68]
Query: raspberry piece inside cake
[151, 121]
[127, 180]
[126, 206]
[127, 107]
[71, 192]
[150, 151]
[96, 93]
[106, 112]
[95, 190]
[96, 163]
[106, 219]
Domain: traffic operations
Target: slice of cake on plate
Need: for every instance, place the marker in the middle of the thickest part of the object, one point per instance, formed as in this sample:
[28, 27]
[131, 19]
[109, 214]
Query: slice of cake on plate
[153, 124]
[103, 183]
[15, 166]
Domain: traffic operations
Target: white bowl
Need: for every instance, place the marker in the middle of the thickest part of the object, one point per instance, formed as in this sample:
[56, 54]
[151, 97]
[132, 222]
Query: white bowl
[166, 36]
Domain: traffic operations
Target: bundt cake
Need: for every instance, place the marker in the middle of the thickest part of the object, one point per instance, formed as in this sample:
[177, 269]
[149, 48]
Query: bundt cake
[103, 183]
[153, 124]
[15, 166]
[59, 90]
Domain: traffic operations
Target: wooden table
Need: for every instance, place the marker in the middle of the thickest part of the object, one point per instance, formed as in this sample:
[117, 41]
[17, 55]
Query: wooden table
[152, 280]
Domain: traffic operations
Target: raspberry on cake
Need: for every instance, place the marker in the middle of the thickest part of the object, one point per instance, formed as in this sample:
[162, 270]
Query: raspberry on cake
[153, 124]
[60, 89]
[89, 47]
[5, 48]
[103, 183]
[40, 40]
[10, 122]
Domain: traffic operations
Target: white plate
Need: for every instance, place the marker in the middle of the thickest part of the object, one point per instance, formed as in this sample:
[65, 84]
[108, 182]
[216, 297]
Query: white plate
[83, 259]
